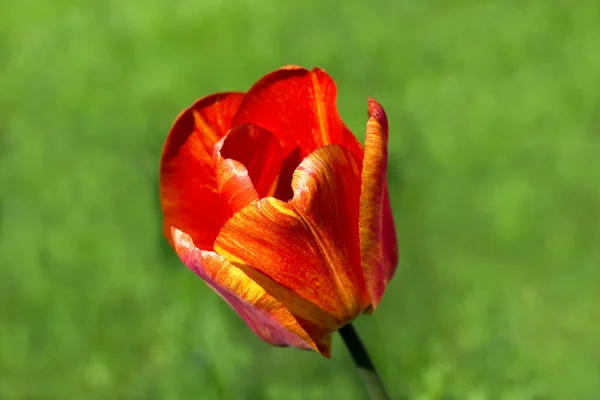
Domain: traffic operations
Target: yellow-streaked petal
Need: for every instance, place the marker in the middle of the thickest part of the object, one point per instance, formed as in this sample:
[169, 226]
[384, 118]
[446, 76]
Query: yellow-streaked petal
[306, 252]
[378, 243]
[264, 314]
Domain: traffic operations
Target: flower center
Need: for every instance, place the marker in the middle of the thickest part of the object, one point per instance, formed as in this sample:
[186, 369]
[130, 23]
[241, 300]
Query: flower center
[270, 166]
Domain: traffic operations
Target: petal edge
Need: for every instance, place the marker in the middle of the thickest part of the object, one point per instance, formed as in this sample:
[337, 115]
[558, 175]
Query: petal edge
[265, 315]
[378, 242]
[187, 184]
[300, 107]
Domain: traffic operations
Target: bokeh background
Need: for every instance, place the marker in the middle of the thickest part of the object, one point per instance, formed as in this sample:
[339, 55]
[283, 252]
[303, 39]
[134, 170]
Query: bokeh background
[494, 111]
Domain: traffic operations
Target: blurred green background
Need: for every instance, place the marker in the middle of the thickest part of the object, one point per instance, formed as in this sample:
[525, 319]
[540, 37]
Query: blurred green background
[494, 110]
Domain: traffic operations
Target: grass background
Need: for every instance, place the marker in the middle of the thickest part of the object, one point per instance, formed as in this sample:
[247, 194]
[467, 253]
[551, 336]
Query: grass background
[494, 110]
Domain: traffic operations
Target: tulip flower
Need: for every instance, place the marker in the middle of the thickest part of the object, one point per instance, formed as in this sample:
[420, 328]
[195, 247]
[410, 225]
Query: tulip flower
[271, 200]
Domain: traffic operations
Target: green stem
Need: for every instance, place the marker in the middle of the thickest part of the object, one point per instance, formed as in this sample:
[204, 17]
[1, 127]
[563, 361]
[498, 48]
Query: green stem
[363, 363]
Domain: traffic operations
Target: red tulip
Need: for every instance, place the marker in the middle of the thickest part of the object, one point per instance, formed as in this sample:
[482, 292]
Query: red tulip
[269, 198]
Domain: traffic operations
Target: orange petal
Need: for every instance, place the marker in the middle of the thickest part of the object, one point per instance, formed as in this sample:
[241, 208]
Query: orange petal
[188, 187]
[299, 107]
[235, 186]
[265, 315]
[378, 244]
[306, 252]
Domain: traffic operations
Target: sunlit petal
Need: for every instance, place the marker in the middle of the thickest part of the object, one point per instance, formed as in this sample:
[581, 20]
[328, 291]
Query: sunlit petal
[188, 186]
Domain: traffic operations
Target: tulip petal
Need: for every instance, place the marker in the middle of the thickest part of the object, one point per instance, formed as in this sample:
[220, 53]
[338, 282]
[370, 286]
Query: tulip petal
[248, 162]
[326, 196]
[188, 186]
[265, 315]
[378, 242]
[299, 107]
[235, 186]
[306, 252]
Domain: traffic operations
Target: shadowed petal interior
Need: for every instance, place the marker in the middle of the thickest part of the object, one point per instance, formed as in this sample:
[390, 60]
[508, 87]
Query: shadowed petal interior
[248, 165]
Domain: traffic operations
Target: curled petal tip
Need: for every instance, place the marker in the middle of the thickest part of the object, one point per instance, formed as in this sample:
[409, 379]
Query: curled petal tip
[373, 104]
[377, 113]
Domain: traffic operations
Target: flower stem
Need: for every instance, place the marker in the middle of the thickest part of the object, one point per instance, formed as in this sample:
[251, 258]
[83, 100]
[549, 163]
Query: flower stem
[363, 363]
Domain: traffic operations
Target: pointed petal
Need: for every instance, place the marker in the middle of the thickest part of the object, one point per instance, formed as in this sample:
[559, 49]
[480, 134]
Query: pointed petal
[379, 250]
[306, 252]
[299, 107]
[188, 187]
[265, 315]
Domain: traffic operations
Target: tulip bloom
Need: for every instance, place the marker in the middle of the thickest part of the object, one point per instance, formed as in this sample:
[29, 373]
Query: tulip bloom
[270, 199]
